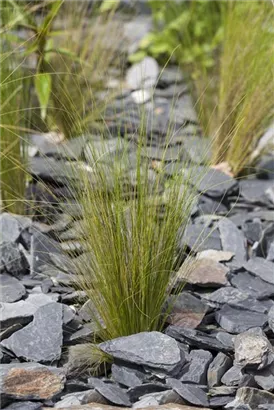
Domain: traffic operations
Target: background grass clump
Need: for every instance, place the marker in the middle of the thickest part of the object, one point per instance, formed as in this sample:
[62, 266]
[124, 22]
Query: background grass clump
[227, 50]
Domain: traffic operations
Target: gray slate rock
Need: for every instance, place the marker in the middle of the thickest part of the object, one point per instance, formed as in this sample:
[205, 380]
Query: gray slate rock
[237, 321]
[233, 377]
[253, 230]
[197, 338]
[261, 268]
[254, 190]
[143, 74]
[127, 376]
[41, 340]
[111, 392]
[271, 318]
[191, 394]
[12, 259]
[196, 370]
[253, 285]
[252, 349]
[11, 226]
[25, 405]
[233, 240]
[153, 349]
[79, 398]
[16, 313]
[199, 237]
[217, 368]
[204, 273]
[214, 182]
[143, 389]
[11, 289]
[265, 378]
[41, 248]
[234, 297]
[30, 381]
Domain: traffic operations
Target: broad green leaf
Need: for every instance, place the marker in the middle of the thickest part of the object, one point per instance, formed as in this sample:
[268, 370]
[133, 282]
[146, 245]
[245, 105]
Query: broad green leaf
[43, 89]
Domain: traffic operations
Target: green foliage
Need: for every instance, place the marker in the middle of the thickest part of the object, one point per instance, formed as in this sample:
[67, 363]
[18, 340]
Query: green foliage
[12, 123]
[130, 231]
[43, 89]
[190, 30]
[245, 86]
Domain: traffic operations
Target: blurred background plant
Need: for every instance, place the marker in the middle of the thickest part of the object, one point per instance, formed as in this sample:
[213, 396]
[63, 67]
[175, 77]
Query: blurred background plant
[65, 52]
[226, 50]
[13, 120]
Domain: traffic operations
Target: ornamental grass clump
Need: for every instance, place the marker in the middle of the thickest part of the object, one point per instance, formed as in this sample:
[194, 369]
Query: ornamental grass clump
[131, 225]
[245, 91]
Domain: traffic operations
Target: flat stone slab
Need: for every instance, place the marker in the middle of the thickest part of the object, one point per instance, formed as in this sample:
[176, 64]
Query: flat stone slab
[233, 240]
[196, 371]
[112, 392]
[12, 259]
[18, 312]
[253, 285]
[153, 349]
[30, 381]
[11, 289]
[237, 321]
[261, 268]
[190, 393]
[11, 226]
[204, 272]
[187, 310]
[217, 368]
[41, 340]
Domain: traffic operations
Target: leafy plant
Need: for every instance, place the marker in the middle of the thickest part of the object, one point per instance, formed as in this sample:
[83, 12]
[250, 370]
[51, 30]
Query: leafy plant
[69, 62]
[191, 31]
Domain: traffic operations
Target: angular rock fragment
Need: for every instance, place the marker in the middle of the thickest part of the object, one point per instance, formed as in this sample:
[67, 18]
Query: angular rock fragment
[190, 393]
[111, 392]
[237, 321]
[41, 340]
[235, 376]
[147, 388]
[78, 398]
[205, 272]
[233, 240]
[261, 268]
[200, 237]
[252, 285]
[252, 397]
[30, 381]
[187, 310]
[11, 289]
[152, 349]
[12, 259]
[196, 370]
[18, 312]
[265, 378]
[216, 256]
[197, 338]
[217, 368]
[271, 318]
[25, 405]
[127, 376]
[11, 226]
[253, 349]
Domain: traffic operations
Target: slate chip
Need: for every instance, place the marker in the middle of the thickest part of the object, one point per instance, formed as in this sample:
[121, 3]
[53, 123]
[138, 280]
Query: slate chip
[41, 340]
[253, 285]
[11, 289]
[111, 392]
[233, 240]
[192, 394]
[237, 321]
[217, 368]
[196, 370]
[13, 260]
[261, 268]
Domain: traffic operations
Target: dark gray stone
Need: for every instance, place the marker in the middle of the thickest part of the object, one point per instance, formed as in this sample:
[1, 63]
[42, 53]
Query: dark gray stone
[207, 205]
[252, 285]
[214, 182]
[265, 378]
[234, 297]
[253, 230]
[152, 349]
[191, 394]
[233, 377]
[253, 190]
[25, 405]
[30, 381]
[237, 321]
[11, 289]
[271, 318]
[199, 237]
[147, 388]
[7, 332]
[196, 370]
[113, 393]
[261, 268]
[217, 368]
[219, 401]
[79, 398]
[42, 247]
[196, 338]
[127, 376]
[252, 349]
[80, 336]
[11, 226]
[13, 260]
[16, 313]
[41, 340]
[233, 240]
